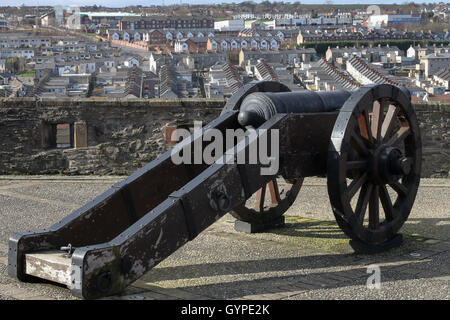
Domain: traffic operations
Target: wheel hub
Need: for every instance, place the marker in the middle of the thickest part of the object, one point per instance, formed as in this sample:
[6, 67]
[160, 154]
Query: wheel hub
[388, 165]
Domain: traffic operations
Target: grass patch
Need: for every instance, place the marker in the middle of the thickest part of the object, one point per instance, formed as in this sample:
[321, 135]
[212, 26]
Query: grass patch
[27, 73]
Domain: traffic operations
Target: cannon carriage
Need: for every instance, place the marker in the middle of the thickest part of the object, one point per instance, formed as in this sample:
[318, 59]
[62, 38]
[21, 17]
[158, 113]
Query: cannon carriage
[366, 142]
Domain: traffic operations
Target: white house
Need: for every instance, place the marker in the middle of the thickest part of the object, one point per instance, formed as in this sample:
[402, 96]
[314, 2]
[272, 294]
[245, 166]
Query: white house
[329, 20]
[255, 44]
[130, 62]
[224, 45]
[137, 36]
[280, 35]
[263, 44]
[2, 65]
[181, 46]
[169, 35]
[115, 36]
[25, 53]
[234, 45]
[315, 21]
[214, 44]
[274, 44]
[299, 21]
[126, 36]
[229, 25]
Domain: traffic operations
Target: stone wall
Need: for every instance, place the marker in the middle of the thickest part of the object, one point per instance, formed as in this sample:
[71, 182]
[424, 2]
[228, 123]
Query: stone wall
[123, 135]
[434, 121]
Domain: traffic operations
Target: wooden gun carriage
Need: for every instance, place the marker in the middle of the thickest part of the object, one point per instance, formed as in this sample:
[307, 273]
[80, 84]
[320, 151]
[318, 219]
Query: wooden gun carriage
[367, 142]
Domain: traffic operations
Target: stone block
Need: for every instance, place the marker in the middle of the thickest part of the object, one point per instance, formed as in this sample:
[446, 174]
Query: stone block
[80, 135]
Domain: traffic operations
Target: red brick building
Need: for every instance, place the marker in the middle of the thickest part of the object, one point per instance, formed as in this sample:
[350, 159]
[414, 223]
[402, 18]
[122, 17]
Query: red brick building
[155, 37]
[161, 22]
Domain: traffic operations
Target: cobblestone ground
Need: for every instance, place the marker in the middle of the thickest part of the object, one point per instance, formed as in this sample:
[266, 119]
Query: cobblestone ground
[309, 258]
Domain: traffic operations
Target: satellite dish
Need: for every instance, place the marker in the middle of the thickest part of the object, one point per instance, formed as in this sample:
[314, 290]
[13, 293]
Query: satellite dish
[373, 9]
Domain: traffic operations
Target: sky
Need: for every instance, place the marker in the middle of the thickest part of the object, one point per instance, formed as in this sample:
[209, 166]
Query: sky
[122, 3]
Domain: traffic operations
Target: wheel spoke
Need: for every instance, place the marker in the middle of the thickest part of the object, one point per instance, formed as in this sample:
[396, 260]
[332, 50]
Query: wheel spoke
[374, 210]
[363, 200]
[364, 126]
[386, 202]
[399, 188]
[359, 164]
[389, 121]
[274, 193]
[399, 136]
[358, 144]
[260, 197]
[356, 184]
[377, 120]
[256, 209]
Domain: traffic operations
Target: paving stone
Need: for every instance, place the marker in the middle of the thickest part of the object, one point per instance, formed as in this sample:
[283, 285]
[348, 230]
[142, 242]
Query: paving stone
[147, 295]
[36, 297]
[310, 285]
[171, 292]
[444, 278]
[440, 247]
[420, 254]
[291, 290]
[21, 293]
[354, 273]
[408, 269]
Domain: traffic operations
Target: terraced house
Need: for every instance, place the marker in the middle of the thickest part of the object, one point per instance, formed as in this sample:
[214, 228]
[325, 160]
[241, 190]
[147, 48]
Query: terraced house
[161, 22]
[237, 43]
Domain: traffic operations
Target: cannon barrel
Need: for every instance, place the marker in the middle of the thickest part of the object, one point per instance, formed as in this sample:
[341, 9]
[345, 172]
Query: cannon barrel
[259, 107]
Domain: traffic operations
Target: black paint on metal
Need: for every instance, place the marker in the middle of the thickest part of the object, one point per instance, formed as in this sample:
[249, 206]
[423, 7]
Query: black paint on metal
[261, 106]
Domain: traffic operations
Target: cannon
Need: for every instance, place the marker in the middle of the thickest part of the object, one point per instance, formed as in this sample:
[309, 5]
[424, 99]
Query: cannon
[366, 142]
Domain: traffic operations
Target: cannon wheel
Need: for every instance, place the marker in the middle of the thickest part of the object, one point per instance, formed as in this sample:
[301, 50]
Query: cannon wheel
[262, 207]
[374, 158]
